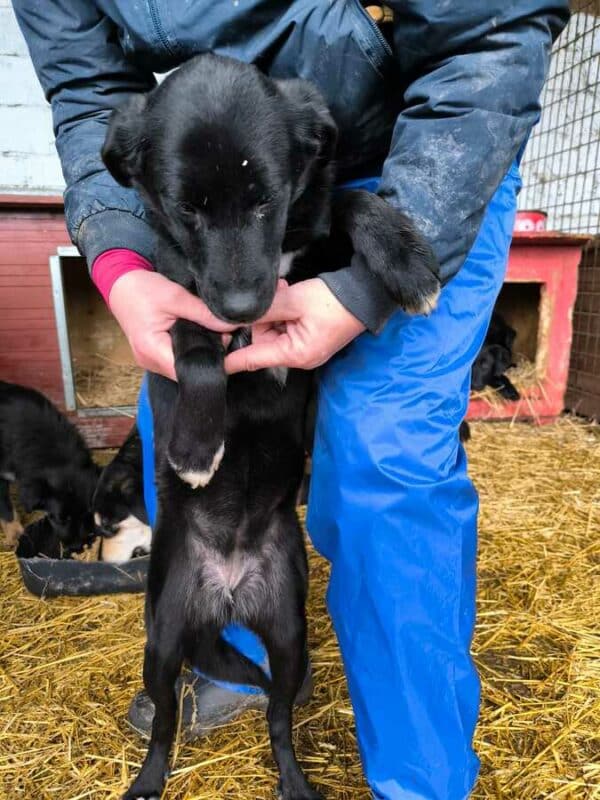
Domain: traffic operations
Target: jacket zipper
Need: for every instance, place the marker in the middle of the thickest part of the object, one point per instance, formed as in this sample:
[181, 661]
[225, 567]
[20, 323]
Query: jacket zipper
[374, 27]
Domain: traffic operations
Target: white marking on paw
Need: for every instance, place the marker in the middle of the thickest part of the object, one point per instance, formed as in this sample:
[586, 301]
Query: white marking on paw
[427, 305]
[131, 533]
[279, 374]
[201, 479]
[97, 519]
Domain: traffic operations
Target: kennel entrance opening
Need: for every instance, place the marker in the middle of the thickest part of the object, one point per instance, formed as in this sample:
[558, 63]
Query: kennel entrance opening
[99, 373]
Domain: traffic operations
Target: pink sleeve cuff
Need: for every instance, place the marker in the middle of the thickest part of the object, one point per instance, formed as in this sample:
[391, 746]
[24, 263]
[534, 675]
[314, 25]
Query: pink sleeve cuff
[111, 264]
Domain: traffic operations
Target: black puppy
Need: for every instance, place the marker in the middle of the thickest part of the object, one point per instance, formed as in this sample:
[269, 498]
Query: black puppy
[495, 358]
[118, 504]
[236, 172]
[44, 453]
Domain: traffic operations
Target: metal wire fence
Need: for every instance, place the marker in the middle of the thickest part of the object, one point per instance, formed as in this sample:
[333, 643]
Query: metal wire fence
[561, 168]
[561, 176]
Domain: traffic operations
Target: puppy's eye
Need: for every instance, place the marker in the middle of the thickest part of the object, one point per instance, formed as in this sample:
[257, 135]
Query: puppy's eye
[263, 207]
[186, 209]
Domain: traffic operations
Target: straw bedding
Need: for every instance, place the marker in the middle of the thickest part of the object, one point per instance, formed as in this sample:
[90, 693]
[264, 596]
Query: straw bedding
[69, 667]
[103, 383]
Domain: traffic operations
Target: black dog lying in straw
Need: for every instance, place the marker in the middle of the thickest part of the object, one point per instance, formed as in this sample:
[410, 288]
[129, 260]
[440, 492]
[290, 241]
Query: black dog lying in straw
[235, 170]
[44, 453]
[118, 504]
[494, 358]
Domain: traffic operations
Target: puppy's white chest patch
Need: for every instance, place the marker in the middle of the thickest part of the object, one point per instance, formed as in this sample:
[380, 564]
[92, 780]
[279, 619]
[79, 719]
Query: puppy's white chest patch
[228, 572]
[285, 262]
[279, 374]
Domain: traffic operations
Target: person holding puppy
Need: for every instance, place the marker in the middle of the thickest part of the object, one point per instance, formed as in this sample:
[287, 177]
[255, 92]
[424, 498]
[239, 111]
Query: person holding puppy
[434, 103]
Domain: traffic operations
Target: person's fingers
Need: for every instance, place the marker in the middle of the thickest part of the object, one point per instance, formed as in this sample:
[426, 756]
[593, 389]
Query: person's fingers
[283, 307]
[259, 356]
[185, 305]
[264, 332]
[155, 353]
[164, 358]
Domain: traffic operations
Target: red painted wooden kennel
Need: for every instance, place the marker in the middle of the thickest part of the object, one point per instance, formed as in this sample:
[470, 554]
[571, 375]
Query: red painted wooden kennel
[34, 347]
[537, 299]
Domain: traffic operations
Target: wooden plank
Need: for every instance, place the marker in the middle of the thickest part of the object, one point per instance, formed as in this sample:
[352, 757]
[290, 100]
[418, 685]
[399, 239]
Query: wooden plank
[26, 297]
[37, 267]
[29, 342]
[46, 326]
[44, 314]
[23, 254]
[103, 431]
[31, 201]
[16, 361]
[17, 281]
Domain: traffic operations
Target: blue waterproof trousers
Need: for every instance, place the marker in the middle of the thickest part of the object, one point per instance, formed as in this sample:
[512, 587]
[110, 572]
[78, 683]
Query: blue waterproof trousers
[393, 509]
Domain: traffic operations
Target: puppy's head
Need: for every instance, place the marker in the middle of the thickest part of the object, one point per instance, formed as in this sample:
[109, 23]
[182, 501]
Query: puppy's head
[118, 497]
[483, 369]
[235, 168]
[65, 497]
[492, 361]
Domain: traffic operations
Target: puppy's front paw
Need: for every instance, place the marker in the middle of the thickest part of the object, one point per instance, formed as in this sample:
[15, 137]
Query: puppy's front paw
[197, 471]
[297, 790]
[143, 794]
[153, 796]
[422, 298]
[391, 247]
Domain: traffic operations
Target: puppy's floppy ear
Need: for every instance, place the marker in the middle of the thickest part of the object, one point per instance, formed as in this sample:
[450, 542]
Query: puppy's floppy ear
[314, 133]
[124, 144]
[34, 495]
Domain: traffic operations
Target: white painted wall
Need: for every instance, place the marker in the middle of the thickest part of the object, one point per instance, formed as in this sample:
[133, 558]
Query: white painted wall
[28, 160]
[29, 164]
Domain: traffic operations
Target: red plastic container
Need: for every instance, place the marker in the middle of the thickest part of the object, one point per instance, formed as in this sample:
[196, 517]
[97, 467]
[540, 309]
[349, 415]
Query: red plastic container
[530, 221]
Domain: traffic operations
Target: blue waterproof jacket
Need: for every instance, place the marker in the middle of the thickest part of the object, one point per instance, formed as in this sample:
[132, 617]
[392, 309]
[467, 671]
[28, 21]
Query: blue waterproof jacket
[444, 110]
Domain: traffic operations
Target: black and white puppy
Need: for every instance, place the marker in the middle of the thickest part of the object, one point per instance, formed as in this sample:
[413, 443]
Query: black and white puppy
[118, 504]
[236, 172]
[51, 464]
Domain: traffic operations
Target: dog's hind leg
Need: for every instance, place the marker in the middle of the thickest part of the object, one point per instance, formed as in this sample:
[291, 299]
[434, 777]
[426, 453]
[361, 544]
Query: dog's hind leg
[9, 522]
[197, 442]
[163, 658]
[217, 659]
[288, 658]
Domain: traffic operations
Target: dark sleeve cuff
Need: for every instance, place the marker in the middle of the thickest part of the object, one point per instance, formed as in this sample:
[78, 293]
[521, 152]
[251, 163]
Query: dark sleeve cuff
[362, 293]
[113, 229]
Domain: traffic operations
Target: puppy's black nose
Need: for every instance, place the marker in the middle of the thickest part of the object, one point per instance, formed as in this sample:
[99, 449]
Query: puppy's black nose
[240, 306]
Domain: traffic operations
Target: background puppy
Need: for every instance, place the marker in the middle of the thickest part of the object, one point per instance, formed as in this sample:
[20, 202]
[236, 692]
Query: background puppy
[118, 504]
[495, 358]
[52, 466]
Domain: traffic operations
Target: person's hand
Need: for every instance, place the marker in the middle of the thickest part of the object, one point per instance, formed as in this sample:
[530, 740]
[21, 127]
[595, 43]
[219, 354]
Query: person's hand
[146, 305]
[304, 327]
